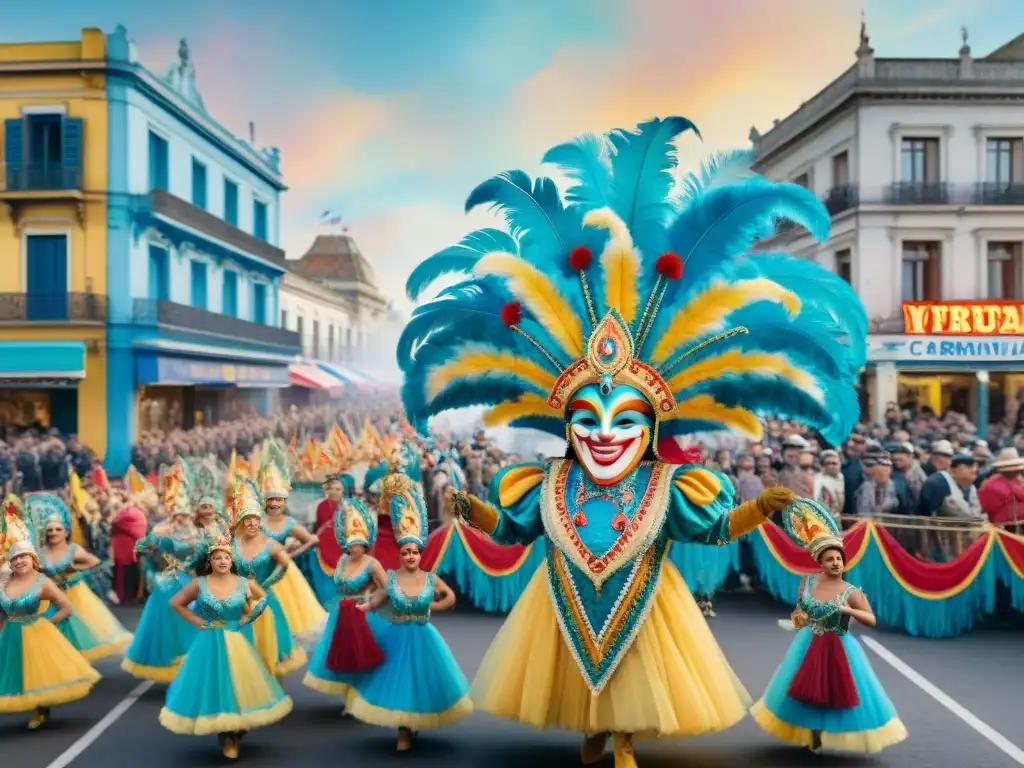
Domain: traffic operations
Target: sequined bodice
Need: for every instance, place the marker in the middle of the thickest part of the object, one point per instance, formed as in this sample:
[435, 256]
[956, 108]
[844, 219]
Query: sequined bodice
[229, 609]
[414, 608]
[259, 566]
[825, 616]
[179, 548]
[281, 536]
[353, 586]
[25, 604]
[62, 566]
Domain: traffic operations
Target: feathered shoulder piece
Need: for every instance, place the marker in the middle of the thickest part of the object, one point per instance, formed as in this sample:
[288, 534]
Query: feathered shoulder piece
[628, 278]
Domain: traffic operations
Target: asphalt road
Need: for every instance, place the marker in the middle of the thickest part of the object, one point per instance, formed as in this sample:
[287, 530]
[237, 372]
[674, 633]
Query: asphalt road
[981, 672]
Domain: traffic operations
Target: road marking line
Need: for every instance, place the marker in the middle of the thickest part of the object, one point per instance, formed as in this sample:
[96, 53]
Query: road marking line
[75, 750]
[997, 739]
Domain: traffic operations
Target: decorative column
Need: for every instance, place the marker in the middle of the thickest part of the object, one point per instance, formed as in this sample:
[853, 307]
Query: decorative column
[886, 390]
[981, 403]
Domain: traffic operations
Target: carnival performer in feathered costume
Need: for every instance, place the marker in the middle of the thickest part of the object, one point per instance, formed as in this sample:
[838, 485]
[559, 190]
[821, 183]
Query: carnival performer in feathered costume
[621, 317]
[162, 638]
[66, 564]
[263, 560]
[348, 645]
[223, 686]
[302, 610]
[419, 684]
[39, 668]
[825, 695]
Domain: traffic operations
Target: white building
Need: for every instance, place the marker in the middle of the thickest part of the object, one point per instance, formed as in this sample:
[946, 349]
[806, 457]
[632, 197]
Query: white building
[319, 315]
[921, 163]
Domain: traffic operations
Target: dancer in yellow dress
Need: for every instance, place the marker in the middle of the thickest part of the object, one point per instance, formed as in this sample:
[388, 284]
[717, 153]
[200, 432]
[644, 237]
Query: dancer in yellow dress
[302, 610]
[619, 319]
[39, 668]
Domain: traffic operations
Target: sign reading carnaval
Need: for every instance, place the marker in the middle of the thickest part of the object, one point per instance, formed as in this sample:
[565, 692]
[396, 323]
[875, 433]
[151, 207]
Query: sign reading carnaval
[967, 318]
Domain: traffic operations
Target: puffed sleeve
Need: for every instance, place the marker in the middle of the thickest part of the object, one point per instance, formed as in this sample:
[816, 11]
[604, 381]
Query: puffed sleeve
[701, 507]
[511, 514]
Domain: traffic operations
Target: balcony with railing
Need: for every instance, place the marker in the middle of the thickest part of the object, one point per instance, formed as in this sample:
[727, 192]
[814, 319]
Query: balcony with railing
[919, 193]
[40, 177]
[168, 314]
[841, 198]
[999, 193]
[77, 308]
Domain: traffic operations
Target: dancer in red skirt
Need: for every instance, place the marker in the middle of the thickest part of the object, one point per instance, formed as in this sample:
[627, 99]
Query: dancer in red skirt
[825, 695]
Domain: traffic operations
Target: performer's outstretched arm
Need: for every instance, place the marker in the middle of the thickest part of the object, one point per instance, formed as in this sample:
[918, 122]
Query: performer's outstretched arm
[511, 515]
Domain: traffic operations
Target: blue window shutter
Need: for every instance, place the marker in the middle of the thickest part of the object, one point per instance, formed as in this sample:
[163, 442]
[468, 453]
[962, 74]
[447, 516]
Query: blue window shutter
[71, 142]
[14, 156]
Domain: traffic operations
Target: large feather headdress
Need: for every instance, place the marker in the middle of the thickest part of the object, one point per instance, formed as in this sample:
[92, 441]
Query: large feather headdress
[624, 280]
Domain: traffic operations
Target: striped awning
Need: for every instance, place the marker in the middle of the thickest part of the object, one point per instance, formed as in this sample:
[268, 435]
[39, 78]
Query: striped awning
[345, 374]
[311, 377]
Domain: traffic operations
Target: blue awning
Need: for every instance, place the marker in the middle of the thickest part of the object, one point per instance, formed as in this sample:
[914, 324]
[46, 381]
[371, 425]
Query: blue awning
[42, 360]
[165, 370]
[344, 374]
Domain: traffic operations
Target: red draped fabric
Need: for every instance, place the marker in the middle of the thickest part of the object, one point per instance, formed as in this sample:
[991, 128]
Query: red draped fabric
[1013, 546]
[919, 576]
[330, 552]
[490, 556]
[353, 646]
[824, 678]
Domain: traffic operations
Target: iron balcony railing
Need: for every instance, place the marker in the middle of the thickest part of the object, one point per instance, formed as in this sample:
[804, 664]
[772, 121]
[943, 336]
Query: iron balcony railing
[41, 177]
[919, 193]
[999, 193]
[53, 307]
[158, 312]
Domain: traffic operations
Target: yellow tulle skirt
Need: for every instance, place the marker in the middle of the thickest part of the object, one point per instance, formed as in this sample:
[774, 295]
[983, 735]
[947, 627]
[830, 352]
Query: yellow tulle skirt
[673, 682]
[301, 608]
[51, 671]
[97, 617]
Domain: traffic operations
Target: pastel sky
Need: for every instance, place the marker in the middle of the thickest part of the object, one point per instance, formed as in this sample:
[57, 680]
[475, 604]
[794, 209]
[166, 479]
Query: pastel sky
[388, 112]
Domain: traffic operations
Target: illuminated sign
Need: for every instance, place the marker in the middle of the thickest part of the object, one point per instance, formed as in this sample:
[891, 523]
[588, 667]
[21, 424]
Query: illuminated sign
[967, 318]
[946, 349]
[154, 369]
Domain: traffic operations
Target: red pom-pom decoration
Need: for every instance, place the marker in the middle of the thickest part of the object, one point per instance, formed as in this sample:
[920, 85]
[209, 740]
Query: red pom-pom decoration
[580, 258]
[511, 314]
[669, 266]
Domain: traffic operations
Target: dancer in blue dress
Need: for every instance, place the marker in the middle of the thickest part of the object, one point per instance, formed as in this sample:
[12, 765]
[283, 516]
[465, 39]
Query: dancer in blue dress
[223, 686]
[162, 638]
[262, 559]
[419, 685]
[825, 695]
[348, 646]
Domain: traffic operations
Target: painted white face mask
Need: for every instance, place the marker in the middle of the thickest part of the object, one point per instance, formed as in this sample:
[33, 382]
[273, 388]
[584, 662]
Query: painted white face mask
[610, 432]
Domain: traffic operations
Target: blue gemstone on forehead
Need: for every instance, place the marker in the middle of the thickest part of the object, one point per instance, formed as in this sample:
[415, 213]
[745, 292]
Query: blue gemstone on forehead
[606, 384]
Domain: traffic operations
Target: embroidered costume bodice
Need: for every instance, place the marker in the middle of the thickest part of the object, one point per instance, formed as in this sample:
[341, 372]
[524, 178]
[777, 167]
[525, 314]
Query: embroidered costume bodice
[180, 549]
[24, 608]
[63, 568]
[353, 586]
[826, 616]
[406, 608]
[260, 566]
[282, 535]
[209, 607]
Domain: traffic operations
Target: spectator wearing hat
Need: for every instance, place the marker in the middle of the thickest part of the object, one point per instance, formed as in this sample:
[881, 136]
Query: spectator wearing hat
[791, 475]
[951, 493]
[829, 484]
[941, 457]
[906, 465]
[982, 455]
[1002, 494]
[881, 493]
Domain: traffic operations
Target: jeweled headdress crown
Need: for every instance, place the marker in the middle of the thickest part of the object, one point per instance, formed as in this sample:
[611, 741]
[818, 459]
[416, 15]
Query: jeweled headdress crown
[675, 305]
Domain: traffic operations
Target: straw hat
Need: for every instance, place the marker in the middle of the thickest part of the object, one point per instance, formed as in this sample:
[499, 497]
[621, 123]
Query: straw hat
[1008, 460]
[942, 448]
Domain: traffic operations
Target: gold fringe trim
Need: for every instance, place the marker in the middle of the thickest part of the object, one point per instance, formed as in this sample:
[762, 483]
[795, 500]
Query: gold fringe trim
[207, 725]
[73, 691]
[164, 675]
[296, 661]
[358, 707]
[861, 742]
[328, 687]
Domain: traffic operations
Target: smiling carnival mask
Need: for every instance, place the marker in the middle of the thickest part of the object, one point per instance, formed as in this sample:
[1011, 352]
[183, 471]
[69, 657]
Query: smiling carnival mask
[611, 432]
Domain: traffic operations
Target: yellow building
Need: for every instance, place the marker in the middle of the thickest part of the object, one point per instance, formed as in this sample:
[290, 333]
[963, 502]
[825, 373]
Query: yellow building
[53, 236]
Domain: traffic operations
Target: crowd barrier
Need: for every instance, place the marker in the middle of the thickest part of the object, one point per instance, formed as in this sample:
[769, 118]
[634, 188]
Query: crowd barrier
[921, 598]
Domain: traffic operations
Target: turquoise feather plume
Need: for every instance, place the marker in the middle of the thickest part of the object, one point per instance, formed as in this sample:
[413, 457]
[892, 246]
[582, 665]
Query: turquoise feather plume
[584, 161]
[459, 258]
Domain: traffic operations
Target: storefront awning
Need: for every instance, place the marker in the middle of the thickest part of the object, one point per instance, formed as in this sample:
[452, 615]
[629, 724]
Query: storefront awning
[42, 361]
[311, 377]
[163, 370]
[345, 374]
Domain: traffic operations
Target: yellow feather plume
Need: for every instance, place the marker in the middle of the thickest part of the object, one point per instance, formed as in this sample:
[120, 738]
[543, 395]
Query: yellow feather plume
[525, 405]
[735, 362]
[706, 408]
[707, 310]
[543, 300]
[480, 363]
[621, 263]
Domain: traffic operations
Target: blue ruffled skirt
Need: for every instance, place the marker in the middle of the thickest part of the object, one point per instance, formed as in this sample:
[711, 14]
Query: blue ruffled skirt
[162, 638]
[871, 726]
[322, 583]
[318, 676]
[419, 685]
[222, 687]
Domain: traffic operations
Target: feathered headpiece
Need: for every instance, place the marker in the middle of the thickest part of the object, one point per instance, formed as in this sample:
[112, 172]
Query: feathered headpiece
[176, 490]
[16, 531]
[354, 524]
[274, 475]
[45, 508]
[348, 484]
[245, 502]
[403, 499]
[219, 538]
[809, 524]
[625, 281]
[373, 477]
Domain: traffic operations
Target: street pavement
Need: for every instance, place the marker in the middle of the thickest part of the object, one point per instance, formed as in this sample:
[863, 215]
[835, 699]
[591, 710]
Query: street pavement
[979, 672]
